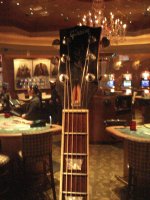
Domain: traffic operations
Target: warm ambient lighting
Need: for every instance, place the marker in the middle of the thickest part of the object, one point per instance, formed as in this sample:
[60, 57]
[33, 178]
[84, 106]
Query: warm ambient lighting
[112, 28]
[145, 75]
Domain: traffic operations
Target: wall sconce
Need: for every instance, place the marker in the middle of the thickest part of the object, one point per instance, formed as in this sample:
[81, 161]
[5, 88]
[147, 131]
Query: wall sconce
[145, 75]
[136, 65]
[127, 76]
[117, 65]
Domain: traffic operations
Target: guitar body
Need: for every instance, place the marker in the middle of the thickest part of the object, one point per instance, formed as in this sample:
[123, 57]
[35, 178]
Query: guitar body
[78, 74]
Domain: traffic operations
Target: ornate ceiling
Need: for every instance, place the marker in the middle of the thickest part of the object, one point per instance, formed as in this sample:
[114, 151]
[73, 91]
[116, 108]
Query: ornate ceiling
[52, 15]
[32, 25]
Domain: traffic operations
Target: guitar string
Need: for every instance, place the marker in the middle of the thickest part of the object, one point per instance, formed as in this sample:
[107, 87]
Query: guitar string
[82, 127]
[85, 64]
[84, 82]
[71, 99]
[81, 152]
[67, 136]
[67, 96]
[87, 153]
[76, 144]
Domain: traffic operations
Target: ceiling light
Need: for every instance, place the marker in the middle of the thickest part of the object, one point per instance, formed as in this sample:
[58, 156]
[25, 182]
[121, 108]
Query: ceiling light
[37, 8]
[1, 2]
[112, 28]
[44, 13]
[148, 9]
[18, 3]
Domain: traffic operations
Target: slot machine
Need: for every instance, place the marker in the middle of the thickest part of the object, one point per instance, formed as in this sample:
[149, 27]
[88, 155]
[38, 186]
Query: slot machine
[145, 83]
[127, 83]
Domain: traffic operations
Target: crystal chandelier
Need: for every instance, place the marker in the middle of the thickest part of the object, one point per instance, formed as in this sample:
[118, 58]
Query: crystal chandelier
[112, 28]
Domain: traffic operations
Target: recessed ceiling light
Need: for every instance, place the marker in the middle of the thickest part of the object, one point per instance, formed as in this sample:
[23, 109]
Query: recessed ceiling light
[2, 2]
[44, 13]
[18, 3]
[61, 14]
[37, 8]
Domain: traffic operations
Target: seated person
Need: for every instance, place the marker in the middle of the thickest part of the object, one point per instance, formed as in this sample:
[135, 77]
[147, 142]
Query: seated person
[4, 98]
[33, 108]
[55, 105]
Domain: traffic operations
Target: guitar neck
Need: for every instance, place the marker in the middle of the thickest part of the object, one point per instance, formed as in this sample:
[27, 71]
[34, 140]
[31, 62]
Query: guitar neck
[74, 180]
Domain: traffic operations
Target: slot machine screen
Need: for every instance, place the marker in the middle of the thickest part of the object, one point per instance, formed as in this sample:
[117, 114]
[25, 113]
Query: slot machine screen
[145, 83]
[111, 83]
[127, 83]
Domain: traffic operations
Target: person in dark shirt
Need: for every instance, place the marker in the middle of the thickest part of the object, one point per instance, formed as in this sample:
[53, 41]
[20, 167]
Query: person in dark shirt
[4, 98]
[33, 108]
[55, 105]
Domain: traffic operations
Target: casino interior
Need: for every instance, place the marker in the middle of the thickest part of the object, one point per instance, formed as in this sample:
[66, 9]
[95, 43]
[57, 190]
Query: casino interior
[82, 68]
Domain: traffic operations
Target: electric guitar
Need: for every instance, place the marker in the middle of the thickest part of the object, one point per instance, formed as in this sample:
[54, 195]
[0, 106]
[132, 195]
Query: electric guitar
[79, 46]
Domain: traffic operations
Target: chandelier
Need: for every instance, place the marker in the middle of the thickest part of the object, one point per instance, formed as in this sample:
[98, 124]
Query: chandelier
[112, 28]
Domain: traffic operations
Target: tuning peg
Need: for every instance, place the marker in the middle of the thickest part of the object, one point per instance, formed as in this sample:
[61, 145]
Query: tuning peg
[90, 77]
[91, 56]
[65, 40]
[92, 40]
[63, 78]
[64, 58]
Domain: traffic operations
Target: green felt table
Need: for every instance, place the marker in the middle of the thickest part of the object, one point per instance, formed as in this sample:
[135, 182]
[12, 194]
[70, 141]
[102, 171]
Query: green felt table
[12, 128]
[138, 141]
[142, 133]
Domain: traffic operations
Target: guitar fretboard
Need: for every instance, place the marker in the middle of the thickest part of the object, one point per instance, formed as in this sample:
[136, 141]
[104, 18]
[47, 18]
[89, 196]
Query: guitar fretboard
[75, 155]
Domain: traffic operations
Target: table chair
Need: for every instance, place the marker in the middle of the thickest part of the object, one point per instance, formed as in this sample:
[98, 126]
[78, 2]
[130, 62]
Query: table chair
[139, 170]
[36, 159]
[4, 174]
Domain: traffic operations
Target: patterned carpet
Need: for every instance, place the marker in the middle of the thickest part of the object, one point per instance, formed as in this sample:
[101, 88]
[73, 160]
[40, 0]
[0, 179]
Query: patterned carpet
[106, 161]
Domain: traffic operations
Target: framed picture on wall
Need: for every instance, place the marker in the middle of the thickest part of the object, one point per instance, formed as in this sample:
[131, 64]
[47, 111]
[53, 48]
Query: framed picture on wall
[41, 72]
[22, 73]
[41, 67]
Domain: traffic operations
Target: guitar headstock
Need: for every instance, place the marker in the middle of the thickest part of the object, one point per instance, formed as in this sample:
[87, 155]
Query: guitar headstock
[78, 64]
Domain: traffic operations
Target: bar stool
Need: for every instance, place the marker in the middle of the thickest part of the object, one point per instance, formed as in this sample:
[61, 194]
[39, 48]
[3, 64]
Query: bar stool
[4, 174]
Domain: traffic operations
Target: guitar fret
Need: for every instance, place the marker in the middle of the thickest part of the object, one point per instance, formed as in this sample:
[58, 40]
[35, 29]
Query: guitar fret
[73, 198]
[74, 193]
[75, 133]
[75, 154]
[74, 174]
